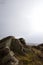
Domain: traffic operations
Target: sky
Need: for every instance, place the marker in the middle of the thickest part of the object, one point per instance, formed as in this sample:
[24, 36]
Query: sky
[22, 18]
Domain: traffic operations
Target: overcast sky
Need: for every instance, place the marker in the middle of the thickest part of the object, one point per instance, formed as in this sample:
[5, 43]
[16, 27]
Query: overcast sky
[22, 18]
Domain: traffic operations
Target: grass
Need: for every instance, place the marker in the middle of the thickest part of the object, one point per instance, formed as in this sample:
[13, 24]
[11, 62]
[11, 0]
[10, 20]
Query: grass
[30, 59]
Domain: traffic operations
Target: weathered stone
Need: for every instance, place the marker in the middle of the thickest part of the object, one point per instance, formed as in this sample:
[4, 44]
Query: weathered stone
[22, 41]
[16, 46]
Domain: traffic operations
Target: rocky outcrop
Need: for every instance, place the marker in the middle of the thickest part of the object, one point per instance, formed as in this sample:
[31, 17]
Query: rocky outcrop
[15, 52]
[5, 57]
[17, 47]
[22, 41]
[7, 45]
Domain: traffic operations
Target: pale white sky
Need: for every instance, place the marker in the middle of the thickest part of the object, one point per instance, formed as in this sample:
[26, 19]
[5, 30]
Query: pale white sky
[22, 18]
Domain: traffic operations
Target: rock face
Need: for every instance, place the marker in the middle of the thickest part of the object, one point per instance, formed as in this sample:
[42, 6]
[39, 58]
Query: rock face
[15, 52]
[16, 46]
[5, 56]
[7, 45]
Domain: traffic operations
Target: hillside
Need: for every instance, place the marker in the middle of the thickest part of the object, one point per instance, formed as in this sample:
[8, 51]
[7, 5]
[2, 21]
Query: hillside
[15, 52]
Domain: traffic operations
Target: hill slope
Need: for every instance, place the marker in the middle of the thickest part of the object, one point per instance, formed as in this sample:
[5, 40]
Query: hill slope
[15, 52]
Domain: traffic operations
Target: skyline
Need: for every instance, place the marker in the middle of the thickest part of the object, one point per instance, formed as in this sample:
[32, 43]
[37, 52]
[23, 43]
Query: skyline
[22, 18]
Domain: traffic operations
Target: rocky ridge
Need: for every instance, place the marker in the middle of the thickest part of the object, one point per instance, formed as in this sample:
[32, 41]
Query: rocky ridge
[15, 52]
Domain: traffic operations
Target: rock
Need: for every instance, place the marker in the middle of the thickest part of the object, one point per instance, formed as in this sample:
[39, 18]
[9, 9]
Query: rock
[2, 45]
[41, 45]
[6, 57]
[16, 46]
[6, 38]
[4, 52]
[7, 60]
[22, 41]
